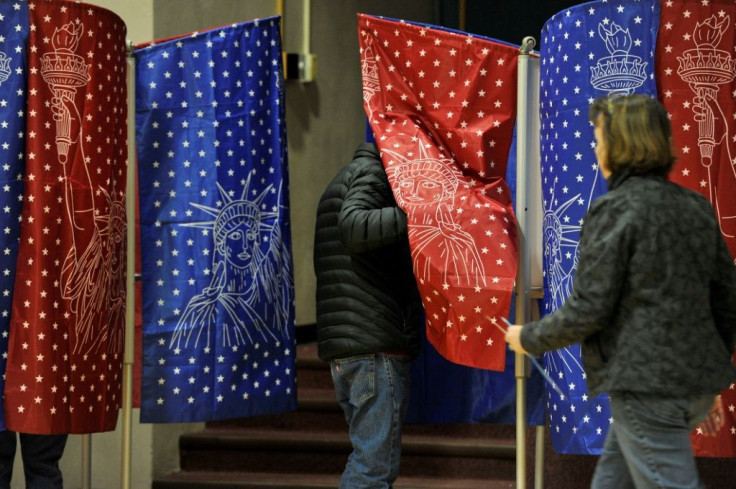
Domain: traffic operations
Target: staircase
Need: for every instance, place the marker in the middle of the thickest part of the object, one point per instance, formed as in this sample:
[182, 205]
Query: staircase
[308, 448]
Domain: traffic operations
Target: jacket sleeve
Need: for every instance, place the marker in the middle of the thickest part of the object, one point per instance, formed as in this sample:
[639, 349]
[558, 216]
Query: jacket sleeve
[604, 247]
[369, 218]
[723, 294]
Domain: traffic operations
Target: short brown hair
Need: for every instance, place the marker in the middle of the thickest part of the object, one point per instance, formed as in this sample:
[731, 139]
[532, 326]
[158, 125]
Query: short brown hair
[637, 132]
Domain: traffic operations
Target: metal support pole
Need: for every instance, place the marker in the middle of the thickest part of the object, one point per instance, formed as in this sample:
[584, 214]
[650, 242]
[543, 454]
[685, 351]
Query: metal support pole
[86, 461]
[306, 46]
[129, 351]
[539, 441]
[279, 7]
[462, 12]
[301, 64]
[521, 371]
[539, 458]
[524, 136]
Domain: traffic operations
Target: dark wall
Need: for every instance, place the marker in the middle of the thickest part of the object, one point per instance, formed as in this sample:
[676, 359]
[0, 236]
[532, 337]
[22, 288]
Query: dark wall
[506, 20]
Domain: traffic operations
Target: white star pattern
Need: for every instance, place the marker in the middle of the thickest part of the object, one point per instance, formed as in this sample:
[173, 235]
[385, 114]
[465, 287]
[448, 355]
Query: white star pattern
[12, 147]
[76, 311]
[450, 124]
[218, 343]
[704, 151]
[574, 46]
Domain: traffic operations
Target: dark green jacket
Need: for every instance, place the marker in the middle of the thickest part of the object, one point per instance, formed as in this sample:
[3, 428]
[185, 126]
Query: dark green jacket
[367, 298]
[654, 298]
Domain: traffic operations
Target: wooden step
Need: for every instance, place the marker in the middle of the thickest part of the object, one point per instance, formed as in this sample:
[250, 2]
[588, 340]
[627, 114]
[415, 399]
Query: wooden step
[265, 439]
[256, 480]
[318, 410]
[308, 448]
[312, 373]
[327, 452]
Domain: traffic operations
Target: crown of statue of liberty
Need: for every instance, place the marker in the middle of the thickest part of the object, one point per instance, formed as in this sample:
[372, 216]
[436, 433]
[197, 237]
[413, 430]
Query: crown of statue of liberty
[236, 210]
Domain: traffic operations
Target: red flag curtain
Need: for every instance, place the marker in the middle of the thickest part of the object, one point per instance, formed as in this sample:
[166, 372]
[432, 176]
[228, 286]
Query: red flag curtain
[65, 353]
[442, 105]
[696, 81]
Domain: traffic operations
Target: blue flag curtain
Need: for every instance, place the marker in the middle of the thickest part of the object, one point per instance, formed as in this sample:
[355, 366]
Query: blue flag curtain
[588, 51]
[14, 29]
[218, 332]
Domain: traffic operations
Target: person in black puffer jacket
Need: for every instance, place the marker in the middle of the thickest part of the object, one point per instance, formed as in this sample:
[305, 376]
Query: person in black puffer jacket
[368, 310]
[653, 304]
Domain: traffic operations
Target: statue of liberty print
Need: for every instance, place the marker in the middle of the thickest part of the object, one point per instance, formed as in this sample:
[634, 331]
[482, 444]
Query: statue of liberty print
[249, 294]
[86, 274]
[425, 189]
[559, 277]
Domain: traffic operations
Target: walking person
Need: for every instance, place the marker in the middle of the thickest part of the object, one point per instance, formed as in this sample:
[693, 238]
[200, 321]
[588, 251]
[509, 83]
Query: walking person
[653, 304]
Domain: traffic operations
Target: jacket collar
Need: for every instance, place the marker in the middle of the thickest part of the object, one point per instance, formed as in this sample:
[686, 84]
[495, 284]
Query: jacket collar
[619, 177]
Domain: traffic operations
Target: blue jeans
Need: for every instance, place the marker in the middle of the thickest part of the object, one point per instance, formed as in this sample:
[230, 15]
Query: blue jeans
[648, 445]
[40, 453]
[373, 391]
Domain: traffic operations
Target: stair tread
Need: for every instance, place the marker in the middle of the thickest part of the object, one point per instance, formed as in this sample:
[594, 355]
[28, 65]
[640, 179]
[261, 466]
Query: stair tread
[227, 443]
[266, 434]
[306, 356]
[308, 448]
[312, 481]
[317, 394]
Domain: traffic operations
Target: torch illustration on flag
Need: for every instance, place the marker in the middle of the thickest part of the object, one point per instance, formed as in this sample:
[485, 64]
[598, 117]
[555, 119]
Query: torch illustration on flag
[64, 71]
[704, 69]
[588, 51]
[64, 373]
[369, 71]
[88, 262]
[696, 79]
[621, 72]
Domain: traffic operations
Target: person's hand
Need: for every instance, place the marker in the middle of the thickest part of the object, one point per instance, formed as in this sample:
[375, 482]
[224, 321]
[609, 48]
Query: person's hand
[715, 420]
[513, 338]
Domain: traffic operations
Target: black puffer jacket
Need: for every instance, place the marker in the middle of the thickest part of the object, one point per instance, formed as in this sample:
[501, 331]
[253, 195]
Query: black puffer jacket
[654, 299]
[367, 298]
